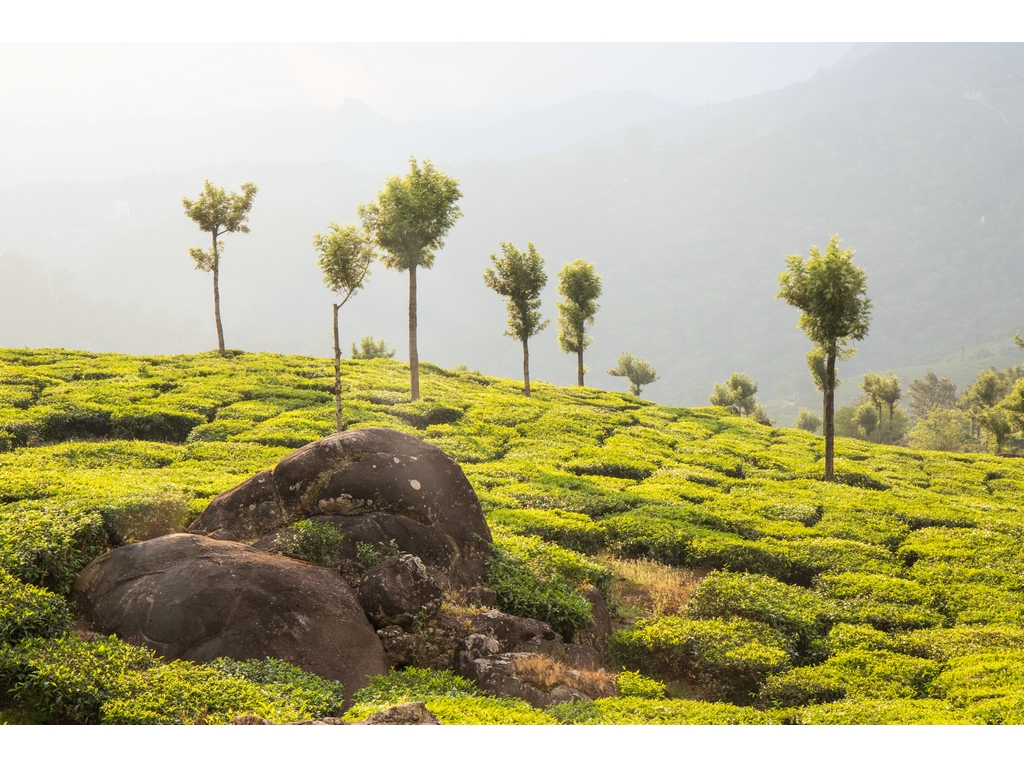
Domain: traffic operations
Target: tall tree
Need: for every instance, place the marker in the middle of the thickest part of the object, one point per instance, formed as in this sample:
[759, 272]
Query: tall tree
[889, 392]
[218, 212]
[409, 221]
[931, 393]
[344, 255]
[520, 278]
[580, 285]
[830, 293]
[639, 372]
[739, 391]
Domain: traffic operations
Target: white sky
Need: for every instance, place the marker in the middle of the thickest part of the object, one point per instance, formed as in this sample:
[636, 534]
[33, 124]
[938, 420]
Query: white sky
[413, 81]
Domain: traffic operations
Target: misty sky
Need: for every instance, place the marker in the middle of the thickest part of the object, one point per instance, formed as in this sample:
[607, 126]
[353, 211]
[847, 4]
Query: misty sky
[100, 82]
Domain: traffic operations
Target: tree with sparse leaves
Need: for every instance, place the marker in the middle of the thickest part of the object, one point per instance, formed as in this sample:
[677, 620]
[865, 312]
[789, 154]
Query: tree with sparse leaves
[344, 255]
[218, 212]
[409, 221]
[808, 421]
[830, 293]
[520, 278]
[639, 372]
[580, 286]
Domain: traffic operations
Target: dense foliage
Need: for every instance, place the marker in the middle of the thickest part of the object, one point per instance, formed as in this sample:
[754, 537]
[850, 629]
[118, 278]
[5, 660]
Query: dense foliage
[893, 595]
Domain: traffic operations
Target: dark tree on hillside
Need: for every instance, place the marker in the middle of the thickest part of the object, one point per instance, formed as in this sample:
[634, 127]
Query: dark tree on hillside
[830, 292]
[580, 285]
[519, 277]
[409, 221]
[344, 256]
[739, 391]
[218, 212]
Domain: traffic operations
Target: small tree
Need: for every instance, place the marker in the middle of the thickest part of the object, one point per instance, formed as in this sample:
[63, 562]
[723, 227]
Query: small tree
[995, 422]
[931, 393]
[943, 429]
[871, 386]
[218, 212]
[371, 349]
[867, 419]
[829, 292]
[580, 285]
[889, 392]
[344, 256]
[738, 391]
[808, 421]
[409, 221]
[520, 278]
[639, 372]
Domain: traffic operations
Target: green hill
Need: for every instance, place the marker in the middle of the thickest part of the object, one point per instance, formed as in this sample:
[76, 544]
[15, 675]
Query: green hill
[892, 596]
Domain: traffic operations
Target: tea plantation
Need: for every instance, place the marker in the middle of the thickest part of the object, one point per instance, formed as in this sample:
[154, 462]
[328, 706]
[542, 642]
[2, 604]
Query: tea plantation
[891, 596]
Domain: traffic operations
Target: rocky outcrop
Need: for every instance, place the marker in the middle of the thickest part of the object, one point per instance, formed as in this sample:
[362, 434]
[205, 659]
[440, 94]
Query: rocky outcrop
[532, 677]
[196, 598]
[398, 591]
[377, 486]
[600, 625]
[514, 633]
[410, 713]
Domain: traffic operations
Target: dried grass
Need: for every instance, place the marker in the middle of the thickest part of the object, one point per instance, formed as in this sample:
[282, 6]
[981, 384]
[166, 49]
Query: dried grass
[546, 673]
[650, 586]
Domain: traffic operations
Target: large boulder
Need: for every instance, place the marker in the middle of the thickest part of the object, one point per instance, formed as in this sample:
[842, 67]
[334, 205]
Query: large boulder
[376, 486]
[195, 598]
[398, 590]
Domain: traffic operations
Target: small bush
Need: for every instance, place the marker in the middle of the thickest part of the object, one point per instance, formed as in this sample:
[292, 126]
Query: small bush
[980, 676]
[314, 541]
[568, 529]
[314, 695]
[373, 554]
[885, 712]
[946, 644]
[884, 602]
[635, 684]
[857, 674]
[634, 710]
[28, 611]
[542, 581]
[802, 615]
[727, 658]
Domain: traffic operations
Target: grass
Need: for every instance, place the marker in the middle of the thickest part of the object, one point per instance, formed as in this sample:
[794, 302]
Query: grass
[737, 576]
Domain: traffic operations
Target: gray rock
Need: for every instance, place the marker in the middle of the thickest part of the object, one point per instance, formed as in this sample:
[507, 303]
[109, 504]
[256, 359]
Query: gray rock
[400, 646]
[195, 598]
[514, 633]
[397, 591]
[600, 625]
[379, 485]
[472, 648]
[411, 713]
[499, 675]
[481, 596]
[580, 656]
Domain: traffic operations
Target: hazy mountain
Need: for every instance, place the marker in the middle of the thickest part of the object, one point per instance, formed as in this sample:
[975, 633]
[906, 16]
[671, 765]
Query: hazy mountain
[914, 154]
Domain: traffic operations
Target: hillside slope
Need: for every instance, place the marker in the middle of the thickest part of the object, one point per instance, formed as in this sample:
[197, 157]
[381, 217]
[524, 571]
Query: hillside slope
[891, 596]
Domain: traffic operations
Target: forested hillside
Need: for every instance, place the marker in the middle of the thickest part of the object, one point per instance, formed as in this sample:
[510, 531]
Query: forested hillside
[913, 154]
[744, 589]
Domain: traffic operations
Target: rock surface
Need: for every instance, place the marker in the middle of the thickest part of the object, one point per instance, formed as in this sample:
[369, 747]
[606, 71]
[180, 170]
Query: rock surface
[397, 591]
[195, 598]
[600, 625]
[515, 633]
[502, 675]
[410, 713]
[376, 485]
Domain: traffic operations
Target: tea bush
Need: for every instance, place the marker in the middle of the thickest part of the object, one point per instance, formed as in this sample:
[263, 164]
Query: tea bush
[28, 611]
[727, 658]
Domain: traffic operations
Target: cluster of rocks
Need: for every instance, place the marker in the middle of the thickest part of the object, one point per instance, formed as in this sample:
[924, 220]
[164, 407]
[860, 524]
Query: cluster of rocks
[223, 588]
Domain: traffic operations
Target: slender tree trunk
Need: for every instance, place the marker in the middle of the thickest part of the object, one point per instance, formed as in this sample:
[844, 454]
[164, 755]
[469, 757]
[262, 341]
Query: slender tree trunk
[526, 367]
[878, 434]
[830, 416]
[892, 407]
[216, 295]
[414, 356]
[579, 365]
[337, 374]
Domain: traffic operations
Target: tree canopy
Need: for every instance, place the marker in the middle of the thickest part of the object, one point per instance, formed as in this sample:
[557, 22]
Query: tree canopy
[580, 286]
[830, 293]
[218, 212]
[738, 391]
[520, 278]
[639, 372]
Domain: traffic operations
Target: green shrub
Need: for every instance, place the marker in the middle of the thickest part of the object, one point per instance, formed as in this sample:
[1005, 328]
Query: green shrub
[543, 581]
[68, 680]
[885, 602]
[423, 413]
[146, 423]
[452, 699]
[727, 658]
[945, 644]
[633, 710]
[885, 712]
[803, 616]
[639, 686]
[973, 678]
[28, 611]
[313, 541]
[854, 674]
[569, 529]
[859, 637]
[47, 546]
[372, 554]
[314, 695]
